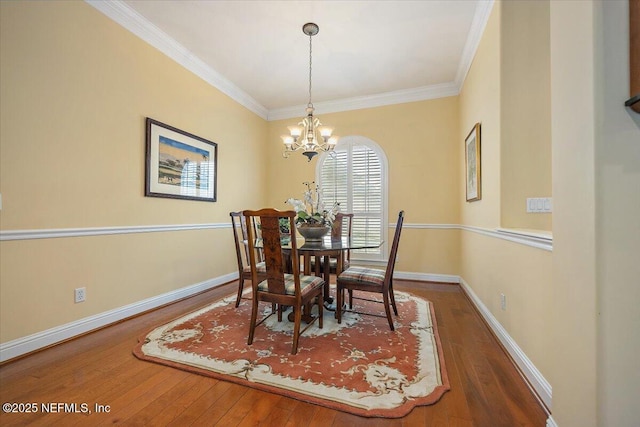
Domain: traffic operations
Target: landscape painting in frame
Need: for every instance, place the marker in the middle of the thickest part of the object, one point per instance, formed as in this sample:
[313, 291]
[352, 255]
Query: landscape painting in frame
[179, 165]
[472, 164]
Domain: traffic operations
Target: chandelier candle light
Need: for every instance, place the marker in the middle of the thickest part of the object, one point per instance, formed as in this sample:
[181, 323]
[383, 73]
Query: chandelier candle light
[309, 135]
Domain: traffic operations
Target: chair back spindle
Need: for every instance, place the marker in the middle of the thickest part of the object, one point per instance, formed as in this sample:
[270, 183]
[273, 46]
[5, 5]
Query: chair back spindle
[240, 238]
[391, 263]
[239, 234]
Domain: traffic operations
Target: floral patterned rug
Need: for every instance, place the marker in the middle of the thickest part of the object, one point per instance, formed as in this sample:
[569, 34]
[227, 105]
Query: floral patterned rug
[359, 366]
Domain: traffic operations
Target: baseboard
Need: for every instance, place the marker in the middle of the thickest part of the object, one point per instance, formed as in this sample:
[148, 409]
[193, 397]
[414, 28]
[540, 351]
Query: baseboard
[424, 277]
[24, 345]
[528, 369]
[551, 422]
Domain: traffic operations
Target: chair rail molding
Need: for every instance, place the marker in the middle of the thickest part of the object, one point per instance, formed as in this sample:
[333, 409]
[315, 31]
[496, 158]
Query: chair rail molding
[535, 240]
[100, 231]
[527, 238]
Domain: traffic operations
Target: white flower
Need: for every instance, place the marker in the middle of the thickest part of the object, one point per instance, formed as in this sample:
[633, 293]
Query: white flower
[312, 209]
[298, 205]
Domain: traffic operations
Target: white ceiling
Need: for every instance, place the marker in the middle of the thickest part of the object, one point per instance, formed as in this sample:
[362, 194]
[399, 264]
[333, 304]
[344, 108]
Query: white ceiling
[367, 53]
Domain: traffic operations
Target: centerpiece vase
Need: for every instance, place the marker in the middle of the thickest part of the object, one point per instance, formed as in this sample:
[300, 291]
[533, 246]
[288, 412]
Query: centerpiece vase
[313, 233]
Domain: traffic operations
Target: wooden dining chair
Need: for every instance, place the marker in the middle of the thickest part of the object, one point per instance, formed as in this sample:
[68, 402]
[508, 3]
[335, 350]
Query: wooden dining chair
[281, 288]
[371, 280]
[240, 237]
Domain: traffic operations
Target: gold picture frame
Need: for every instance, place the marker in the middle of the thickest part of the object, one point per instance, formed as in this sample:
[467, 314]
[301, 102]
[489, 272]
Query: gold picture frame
[473, 177]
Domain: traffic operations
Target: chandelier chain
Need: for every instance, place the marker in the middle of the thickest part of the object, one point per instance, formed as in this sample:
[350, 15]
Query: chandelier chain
[310, 63]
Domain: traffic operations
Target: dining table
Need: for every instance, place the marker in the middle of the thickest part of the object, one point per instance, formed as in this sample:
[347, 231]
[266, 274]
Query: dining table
[327, 247]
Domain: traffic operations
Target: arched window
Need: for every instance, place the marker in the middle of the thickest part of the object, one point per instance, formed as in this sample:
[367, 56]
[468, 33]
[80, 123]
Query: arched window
[355, 175]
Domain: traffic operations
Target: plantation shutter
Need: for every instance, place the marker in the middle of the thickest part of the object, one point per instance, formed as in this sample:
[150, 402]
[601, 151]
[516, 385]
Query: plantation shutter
[353, 177]
[333, 180]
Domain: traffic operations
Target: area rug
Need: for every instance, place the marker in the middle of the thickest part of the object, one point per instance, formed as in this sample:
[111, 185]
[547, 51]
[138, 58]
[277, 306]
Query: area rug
[359, 366]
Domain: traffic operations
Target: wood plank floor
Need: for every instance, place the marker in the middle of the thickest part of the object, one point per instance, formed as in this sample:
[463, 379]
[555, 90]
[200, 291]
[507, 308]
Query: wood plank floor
[99, 368]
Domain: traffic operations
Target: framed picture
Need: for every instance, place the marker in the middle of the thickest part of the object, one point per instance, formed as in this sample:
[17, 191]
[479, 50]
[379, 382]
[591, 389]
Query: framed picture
[472, 164]
[179, 165]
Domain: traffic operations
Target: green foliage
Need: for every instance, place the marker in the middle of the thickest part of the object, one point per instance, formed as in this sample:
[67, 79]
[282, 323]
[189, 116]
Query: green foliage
[284, 225]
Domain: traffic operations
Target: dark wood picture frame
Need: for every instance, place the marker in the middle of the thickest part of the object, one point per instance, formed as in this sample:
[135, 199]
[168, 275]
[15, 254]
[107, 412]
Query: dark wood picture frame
[179, 165]
[473, 177]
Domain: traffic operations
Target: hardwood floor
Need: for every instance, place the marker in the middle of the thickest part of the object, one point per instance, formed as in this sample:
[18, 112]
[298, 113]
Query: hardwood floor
[99, 369]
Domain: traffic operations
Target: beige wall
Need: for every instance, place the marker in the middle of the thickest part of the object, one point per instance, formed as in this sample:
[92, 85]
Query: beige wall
[75, 90]
[617, 174]
[492, 266]
[572, 311]
[38, 276]
[525, 147]
[480, 103]
[573, 304]
[102, 93]
[421, 145]
[596, 227]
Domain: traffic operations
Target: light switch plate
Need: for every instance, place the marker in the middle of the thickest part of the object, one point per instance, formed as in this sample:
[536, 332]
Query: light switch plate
[539, 205]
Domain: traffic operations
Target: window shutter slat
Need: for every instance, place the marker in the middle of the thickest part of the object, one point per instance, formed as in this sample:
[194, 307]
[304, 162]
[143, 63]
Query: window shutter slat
[353, 177]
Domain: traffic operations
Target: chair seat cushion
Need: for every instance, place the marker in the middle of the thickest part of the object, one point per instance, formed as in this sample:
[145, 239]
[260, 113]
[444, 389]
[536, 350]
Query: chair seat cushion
[260, 267]
[307, 283]
[365, 275]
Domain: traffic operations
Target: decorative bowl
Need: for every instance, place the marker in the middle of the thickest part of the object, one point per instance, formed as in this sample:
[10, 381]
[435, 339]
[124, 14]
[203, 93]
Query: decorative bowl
[313, 233]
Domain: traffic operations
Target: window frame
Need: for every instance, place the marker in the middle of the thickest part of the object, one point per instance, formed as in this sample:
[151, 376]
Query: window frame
[347, 143]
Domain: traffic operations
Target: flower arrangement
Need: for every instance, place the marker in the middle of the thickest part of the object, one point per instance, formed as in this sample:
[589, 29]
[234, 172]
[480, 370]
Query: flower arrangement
[312, 210]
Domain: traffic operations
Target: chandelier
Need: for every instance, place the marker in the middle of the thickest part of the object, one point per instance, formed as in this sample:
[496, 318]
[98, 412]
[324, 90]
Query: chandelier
[309, 135]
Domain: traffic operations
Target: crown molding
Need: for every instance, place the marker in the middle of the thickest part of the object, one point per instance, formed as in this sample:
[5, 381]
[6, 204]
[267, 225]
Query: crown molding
[480, 19]
[127, 17]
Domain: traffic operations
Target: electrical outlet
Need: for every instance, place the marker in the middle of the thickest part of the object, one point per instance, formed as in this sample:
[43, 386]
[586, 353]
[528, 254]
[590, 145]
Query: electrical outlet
[503, 302]
[80, 294]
